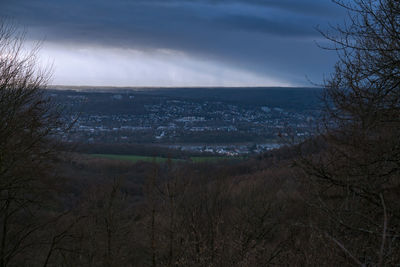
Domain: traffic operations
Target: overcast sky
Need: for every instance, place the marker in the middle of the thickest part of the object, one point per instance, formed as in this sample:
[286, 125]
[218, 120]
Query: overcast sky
[179, 42]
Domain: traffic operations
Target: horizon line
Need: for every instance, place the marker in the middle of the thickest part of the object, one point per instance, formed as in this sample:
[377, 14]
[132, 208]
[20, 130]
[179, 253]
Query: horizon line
[56, 86]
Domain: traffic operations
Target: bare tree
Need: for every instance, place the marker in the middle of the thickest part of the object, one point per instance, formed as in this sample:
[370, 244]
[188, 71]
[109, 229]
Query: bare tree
[27, 121]
[355, 175]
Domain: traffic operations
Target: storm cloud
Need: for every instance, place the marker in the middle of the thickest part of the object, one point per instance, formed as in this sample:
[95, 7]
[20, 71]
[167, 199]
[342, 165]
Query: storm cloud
[272, 42]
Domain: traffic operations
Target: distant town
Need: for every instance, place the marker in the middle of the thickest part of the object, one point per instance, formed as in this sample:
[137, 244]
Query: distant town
[190, 121]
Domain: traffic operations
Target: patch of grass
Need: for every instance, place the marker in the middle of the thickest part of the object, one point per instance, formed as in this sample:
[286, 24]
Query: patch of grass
[209, 159]
[132, 158]
[136, 158]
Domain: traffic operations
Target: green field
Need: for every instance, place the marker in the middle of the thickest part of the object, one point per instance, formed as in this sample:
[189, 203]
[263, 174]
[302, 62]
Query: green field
[210, 158]
[136, 158]
[132, 158]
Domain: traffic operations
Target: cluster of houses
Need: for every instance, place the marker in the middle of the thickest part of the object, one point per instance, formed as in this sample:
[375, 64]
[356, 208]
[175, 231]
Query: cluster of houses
[172, 121]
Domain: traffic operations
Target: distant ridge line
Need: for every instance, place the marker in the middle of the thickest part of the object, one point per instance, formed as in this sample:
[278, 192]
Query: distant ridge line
[88, 88]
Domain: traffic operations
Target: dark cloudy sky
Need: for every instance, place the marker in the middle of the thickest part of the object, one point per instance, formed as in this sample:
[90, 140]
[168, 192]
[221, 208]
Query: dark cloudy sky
[179, 42]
